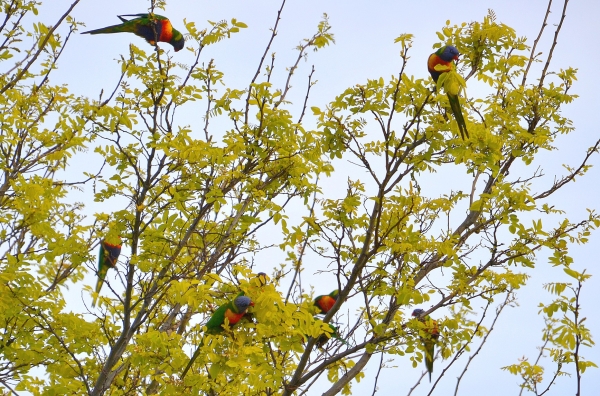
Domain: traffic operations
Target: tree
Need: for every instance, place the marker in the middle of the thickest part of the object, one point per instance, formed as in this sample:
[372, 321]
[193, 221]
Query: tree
[567, 336]
[189, 206]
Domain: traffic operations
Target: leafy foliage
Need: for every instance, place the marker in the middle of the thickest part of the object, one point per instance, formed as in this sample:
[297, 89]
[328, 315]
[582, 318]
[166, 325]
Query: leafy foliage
[189, 203]
[566, 337]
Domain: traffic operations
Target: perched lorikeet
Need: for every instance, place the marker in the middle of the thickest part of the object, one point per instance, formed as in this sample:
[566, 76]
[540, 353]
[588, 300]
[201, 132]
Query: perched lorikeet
[261, 279]
[326, 302]
[233, 311]
[322, 340]
[440, 63]
[151, 27]
[255, 284]
[429, 342]
[107, 258]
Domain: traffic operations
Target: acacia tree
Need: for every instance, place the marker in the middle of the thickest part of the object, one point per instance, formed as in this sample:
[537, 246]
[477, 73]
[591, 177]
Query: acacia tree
[189, 205]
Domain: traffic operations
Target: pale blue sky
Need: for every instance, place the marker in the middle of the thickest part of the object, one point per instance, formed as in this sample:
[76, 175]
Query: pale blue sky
[364, 33]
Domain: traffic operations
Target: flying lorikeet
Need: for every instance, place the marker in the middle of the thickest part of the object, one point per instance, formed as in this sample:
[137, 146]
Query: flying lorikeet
[233, 311]
[151, 27]
[326, 302]
[107, 258]
[441, 63]
[323, 338]
[429, 342]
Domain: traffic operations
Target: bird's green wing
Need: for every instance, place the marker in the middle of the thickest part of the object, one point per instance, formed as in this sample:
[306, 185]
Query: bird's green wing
[102, 270]
[429, 343]
[215, 323]
[142, 16]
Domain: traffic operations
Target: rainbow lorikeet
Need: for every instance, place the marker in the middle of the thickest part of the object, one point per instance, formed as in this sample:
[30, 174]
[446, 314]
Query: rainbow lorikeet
[261, 279]
[256, 283]
[326, 302]
[107, 258]
[323, 338]
[441, 63]
[430, 341]
[233, 311]
[151, 27]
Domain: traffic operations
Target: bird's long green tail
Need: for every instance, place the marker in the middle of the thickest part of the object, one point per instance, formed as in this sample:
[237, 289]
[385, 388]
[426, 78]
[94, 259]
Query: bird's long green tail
[99, 283]
[458, 116]
[113, 29]
[429, 353]
[192, 360]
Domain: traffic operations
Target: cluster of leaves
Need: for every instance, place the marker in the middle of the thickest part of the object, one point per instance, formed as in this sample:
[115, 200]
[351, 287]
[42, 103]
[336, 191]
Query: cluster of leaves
[566, 337]
[189, 203]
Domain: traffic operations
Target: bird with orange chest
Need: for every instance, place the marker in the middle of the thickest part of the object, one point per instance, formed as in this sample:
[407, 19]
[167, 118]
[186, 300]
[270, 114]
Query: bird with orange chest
[233, 311]
[151, 27]
[430, 341]
[107, 258]
[441, 63]
[326, 302]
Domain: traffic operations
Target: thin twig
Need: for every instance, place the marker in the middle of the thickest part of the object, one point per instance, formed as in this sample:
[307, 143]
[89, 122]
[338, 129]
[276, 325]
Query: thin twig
[310, 84]
[262, 60]
[554, 43]
[19, 75]
[507, 300]
[377, 375]
[535, 43]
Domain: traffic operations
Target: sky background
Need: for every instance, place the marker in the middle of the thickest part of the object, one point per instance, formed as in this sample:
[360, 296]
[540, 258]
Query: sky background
[364, 49]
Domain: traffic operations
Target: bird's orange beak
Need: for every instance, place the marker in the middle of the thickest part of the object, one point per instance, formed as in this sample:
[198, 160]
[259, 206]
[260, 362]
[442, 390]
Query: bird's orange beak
[251, 303]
